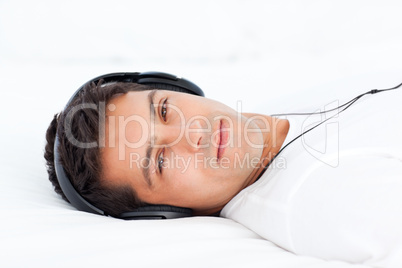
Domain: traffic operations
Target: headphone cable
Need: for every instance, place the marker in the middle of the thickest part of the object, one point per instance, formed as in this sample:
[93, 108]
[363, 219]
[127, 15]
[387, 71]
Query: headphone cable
[347, 104]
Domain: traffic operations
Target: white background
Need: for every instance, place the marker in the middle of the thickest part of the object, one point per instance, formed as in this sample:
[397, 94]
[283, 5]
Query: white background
[266, 54]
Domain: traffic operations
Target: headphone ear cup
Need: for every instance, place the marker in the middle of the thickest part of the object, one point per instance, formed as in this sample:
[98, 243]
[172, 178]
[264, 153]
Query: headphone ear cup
[157, 212]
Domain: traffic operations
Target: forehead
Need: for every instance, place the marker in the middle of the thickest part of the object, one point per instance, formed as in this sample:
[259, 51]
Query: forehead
[132, 101]
[128, 119]
[127, 132]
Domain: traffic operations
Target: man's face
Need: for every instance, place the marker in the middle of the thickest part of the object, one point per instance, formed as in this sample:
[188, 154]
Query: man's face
[176, 142]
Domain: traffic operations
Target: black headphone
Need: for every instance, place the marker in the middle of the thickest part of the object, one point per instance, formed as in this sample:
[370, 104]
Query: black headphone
[156, 80]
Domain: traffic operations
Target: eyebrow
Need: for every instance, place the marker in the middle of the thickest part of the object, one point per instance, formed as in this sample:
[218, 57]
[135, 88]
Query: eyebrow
[145, 169]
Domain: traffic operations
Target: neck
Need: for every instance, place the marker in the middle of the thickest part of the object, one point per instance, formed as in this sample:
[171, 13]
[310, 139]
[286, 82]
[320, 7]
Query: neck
[273, 141]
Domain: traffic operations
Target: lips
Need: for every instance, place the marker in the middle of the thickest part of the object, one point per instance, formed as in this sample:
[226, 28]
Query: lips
[223, 137]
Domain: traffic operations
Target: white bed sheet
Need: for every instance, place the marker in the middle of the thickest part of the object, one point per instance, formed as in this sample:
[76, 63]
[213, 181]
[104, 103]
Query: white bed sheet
[40, 230]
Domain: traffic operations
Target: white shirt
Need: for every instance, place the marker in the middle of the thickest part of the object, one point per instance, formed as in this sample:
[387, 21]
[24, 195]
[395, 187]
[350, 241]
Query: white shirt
[335, 193]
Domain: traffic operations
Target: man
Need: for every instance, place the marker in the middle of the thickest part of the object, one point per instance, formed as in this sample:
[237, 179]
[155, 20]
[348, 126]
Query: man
[161, 147]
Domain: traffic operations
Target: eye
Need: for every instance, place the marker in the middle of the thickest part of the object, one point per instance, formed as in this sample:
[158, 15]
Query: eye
[161, 160]
[164, 109]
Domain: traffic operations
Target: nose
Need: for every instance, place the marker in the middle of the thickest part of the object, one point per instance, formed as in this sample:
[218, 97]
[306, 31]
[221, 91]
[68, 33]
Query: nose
[188, 136]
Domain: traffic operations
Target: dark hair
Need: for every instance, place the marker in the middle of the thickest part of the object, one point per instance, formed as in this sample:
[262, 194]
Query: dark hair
[83, 165]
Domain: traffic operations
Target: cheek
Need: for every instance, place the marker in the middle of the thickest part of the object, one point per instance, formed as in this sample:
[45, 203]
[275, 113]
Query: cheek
[178, 185]
[188, 174]
[181, 170]
[199, 106]
[252, 139]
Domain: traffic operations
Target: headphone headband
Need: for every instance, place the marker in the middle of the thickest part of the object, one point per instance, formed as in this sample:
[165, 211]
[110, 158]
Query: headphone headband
[155, 79]
[145, 78]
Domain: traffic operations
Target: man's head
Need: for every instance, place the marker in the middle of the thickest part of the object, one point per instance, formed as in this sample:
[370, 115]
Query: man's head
[164, 144]
[154, 147]
[83, 165]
